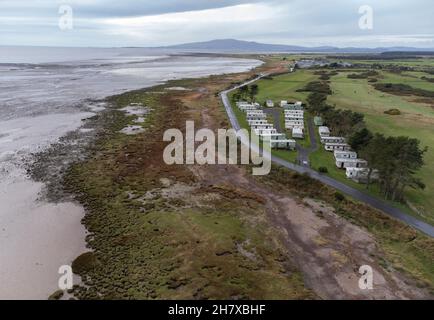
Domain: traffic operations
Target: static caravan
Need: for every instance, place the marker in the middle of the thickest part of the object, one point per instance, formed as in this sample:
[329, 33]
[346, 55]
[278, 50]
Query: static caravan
[256, 117]
[255, 122]
[269, 103]
[261, 132]
[254, 112]
[351, 163]
[297, 133]
[332, 140]
[288, 144]
[262, 126]
[248, 108]
[345, 154]
[283, 103]
[294, 117]
[337, 146]
[290, 124]
[318, 121]
[247, 104]
[273, 136]
[294, 106]
[324, 131]
[360, 175]
[294, 112]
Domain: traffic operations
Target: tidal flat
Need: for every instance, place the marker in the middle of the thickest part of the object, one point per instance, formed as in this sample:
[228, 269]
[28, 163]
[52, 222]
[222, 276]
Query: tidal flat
[215, 232]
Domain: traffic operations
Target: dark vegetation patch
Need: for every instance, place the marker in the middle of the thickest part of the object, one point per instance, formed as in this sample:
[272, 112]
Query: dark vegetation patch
[323, 170]
[321, 87]
[400, 89]
[56, 295]
[85, 262]
[428, 79]
[363, 75]
[325, 75]
[393, 112]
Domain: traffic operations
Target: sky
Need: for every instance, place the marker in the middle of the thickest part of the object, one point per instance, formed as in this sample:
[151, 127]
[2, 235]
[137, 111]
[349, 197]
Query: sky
[113, 23]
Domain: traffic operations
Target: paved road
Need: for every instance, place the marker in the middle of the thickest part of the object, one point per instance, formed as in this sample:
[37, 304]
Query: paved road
[356, 194]
[276, 114]
[303, 153]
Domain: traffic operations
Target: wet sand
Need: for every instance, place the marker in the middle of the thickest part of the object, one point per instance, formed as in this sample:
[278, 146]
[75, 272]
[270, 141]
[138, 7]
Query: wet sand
[36, 239]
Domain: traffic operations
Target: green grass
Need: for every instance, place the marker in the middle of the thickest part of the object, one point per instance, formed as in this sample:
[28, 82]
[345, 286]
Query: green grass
[284, 87]
[416, 121]
[290, 156]
[305, 142]
[412, 79]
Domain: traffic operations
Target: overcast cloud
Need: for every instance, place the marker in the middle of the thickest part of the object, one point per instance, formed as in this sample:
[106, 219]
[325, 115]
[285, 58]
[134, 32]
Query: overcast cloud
[165, 22]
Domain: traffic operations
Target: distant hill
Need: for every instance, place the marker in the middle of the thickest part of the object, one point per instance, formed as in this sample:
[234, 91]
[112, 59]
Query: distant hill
[232, 45]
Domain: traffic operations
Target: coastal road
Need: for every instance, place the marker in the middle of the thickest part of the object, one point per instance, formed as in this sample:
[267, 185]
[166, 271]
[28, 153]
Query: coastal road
[355, 193]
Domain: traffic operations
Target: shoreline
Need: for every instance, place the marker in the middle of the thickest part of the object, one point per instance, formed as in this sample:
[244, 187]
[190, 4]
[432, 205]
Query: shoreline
[146, 220]
[61, 236]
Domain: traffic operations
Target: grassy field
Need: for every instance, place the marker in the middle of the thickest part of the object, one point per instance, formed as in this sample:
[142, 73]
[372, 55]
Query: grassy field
[410, 78]
[416, 120]
[284, 87]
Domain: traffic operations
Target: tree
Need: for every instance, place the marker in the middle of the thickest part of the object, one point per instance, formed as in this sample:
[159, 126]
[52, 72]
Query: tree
[376, 155]
[243, 91]
[254, 90]
[408, 159]
[397, 159]
[360, 139]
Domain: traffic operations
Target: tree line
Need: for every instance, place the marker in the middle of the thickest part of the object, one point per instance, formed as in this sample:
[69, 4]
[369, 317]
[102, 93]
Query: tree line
[246, 93]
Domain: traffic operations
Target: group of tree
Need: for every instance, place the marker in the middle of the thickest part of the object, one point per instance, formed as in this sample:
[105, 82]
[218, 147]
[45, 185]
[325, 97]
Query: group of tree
[396, 160]
[247, 93]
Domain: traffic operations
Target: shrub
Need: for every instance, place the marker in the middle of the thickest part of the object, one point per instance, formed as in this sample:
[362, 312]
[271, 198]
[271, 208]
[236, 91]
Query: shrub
[339, 196]
[56, 295]
[323, 169]
[393, 112]
[84, 263]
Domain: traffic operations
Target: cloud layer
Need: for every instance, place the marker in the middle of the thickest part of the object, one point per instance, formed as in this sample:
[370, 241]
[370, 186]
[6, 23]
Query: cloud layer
[155, 23]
